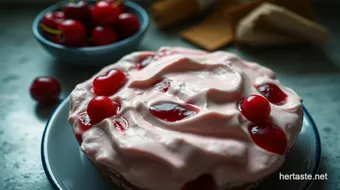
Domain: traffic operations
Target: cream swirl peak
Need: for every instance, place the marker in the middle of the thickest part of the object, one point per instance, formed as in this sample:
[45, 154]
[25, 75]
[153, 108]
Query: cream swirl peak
[181, 113]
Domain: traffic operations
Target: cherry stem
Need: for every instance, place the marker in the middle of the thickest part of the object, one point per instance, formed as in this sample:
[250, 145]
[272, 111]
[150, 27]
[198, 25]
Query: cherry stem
[50, 30]
[117, 3]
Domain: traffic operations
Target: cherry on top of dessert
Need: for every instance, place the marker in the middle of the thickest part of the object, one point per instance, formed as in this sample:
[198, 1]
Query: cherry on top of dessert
[170, 111]
[269, 137]
[100, 108]
[45, 89]
[255, 108]
[273, 93]
[109, 84]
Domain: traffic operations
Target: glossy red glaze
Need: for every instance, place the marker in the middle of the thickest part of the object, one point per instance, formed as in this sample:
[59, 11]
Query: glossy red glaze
[109, 84]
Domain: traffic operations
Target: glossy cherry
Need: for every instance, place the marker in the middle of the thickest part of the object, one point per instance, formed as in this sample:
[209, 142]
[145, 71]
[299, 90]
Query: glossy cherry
[109, 84]
[53, 19]
[255, 108]
[273, 93]
[269, 137]
[84, 121]
[128, 24]
[103, 36]
[203, 182]
[120, 123]
[79, 11]
[163, 86]
[45, 90]
[105, 14]
[170, 111]
[119, 4]
[73, 32]
[100, 108]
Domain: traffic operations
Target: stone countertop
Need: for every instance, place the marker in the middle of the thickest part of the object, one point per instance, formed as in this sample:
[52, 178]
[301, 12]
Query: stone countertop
[313, 72]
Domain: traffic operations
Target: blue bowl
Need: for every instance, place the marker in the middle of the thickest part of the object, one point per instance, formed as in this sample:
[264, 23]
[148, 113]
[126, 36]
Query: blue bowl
[99, 55]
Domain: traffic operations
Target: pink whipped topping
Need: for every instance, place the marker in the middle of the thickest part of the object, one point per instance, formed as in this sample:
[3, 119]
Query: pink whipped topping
[159, 155]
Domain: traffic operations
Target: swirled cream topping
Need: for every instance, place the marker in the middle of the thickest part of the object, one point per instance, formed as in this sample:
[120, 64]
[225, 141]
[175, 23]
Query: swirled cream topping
[206, 134]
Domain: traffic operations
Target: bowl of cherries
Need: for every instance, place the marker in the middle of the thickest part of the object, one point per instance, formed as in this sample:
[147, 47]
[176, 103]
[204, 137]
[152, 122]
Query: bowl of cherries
[91, 32]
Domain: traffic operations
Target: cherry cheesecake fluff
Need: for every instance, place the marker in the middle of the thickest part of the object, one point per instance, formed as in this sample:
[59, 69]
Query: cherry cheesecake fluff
[183, 119]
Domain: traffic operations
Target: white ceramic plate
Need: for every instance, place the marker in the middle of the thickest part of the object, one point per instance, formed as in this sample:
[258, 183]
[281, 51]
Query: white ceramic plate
[68, 169]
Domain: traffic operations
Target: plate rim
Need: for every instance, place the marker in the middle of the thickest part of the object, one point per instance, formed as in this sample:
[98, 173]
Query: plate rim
[53, 181]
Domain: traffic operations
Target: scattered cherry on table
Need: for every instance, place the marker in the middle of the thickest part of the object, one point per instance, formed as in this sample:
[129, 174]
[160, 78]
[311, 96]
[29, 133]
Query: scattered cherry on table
[45, 90]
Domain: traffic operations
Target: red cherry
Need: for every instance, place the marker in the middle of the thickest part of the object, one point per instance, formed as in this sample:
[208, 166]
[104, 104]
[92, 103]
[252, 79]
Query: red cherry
[53, 19]
[120, 123]
[79, 11]
[84, 121]
[105, 13]
[73, 32]
[100, 108]
[45, 90]
[255, 108]
[269, 137]
[203, 182]
[103, 36]
[120, 6]
[128, 24]
[169, 111]
[109, 84]
[163, 86]
[273, 93]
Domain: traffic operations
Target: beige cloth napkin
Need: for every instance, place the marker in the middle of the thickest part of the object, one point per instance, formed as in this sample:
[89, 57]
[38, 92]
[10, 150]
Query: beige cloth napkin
[270, 24]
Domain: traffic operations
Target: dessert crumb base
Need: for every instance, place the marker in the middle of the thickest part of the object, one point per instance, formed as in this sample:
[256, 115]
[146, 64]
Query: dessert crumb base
[117, 179]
